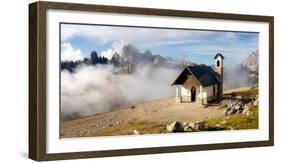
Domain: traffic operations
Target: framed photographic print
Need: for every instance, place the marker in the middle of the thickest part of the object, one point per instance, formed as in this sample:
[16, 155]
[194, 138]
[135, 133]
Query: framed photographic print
[112, 81]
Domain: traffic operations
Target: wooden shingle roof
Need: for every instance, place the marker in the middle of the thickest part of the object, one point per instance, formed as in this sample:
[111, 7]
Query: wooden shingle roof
[205, 75]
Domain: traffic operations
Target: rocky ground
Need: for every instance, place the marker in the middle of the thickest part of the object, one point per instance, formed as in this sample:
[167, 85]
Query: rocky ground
[160, 111]
[237, 110]
[239, 113]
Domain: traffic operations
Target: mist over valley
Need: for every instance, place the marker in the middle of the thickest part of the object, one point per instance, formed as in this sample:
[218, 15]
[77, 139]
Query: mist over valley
[99, 84]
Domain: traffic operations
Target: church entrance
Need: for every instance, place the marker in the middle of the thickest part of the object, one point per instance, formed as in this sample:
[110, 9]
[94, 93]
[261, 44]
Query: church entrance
[193, 94]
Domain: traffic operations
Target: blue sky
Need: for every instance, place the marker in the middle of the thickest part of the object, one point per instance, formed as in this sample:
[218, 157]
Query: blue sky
[194, 45]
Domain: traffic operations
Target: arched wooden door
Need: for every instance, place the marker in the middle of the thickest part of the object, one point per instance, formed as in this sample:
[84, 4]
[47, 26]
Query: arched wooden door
[193, 93]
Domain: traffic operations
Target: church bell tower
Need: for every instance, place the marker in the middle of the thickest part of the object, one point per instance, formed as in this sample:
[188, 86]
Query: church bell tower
[219, 71]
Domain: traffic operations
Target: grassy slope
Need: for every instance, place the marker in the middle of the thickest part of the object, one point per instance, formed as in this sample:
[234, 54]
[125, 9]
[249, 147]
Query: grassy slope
[238, 121]
[141, 127]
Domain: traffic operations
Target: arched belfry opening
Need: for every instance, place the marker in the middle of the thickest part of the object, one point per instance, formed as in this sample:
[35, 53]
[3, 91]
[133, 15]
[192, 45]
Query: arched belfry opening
[218, 63]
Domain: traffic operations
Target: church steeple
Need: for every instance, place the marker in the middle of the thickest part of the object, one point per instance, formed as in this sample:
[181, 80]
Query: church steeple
[219, 63]
[219, 70]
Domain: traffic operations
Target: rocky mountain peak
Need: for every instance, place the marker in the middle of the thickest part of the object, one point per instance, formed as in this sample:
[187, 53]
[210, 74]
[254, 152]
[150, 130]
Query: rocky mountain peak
[251, 62]
[127, 59]
[129, 50]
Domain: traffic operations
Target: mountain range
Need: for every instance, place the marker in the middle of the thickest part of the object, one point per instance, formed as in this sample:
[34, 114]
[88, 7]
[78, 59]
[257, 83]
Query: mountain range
[126, 60]
[130, 57]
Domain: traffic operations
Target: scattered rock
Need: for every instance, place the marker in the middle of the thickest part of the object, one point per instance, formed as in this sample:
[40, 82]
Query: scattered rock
[187, 129]
[133, 107]
[191, 125]
[239, 97]
[232, 111]
[175, 127]
[226, 110]
[199, 125]
[246, 107]
[247, 111]
[229, 111]
[135, 131]
[240, 110]
[231, 128]
[250, 103]
[238, 105]
[256, 102]
[223, 122]
[218, 125]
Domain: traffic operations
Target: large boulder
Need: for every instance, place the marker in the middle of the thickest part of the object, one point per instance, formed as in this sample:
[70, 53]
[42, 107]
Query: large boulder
[191, 125]
[175, 127]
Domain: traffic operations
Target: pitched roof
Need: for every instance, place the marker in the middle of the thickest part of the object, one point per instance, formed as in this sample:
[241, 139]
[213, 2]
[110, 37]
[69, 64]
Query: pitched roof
[218, 54]
[205, 75]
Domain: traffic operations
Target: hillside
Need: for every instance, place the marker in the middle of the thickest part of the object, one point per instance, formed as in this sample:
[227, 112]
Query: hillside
[156, 113]
[154, 116]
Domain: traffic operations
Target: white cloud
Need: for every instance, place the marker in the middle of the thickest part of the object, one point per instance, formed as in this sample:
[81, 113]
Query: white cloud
[68, 53]
[96, 89]
[116, 47]
[149, 36]
[107, 53]
[171, 42]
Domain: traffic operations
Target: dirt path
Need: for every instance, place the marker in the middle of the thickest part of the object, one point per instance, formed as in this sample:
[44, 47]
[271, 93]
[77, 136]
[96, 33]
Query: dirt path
[162, 110]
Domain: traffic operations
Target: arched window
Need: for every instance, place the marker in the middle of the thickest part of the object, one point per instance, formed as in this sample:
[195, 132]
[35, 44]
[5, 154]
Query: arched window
[218, 63]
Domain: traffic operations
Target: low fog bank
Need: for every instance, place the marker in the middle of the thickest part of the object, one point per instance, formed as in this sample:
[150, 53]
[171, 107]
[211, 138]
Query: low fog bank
[96, 89]
[236, 76]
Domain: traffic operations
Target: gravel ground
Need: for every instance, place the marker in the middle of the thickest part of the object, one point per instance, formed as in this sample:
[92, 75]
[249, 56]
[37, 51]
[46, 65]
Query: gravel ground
[162, 110]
